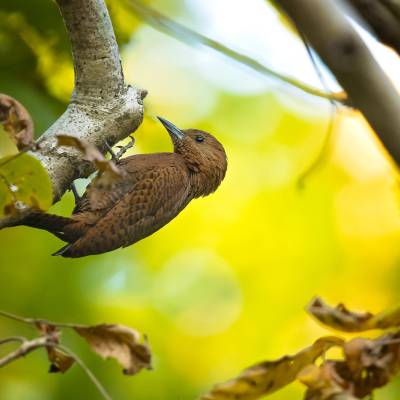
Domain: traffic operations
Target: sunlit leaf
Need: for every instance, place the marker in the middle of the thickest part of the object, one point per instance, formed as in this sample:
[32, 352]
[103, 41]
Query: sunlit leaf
[341, 318]
[119, 342]
[24, 182]
[6, 198]
[7, 146]
[267, 377]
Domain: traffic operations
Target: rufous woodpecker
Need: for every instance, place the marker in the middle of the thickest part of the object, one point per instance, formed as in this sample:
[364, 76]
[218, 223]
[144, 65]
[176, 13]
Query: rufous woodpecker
[154, 189]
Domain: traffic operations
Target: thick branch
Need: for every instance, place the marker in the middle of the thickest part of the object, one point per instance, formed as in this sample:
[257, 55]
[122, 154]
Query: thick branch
[102, 106]
[326, 27]
[384, 23]
[393, 6]
[98, 71]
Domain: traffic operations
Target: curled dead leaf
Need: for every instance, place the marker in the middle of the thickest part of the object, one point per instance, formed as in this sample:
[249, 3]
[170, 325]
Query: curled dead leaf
[342, 319]
[59, 360]
[108, 175]
[267, 377]
[119, 342]
[324, 383]
[90, 152]
[16, 121]
[370, 364]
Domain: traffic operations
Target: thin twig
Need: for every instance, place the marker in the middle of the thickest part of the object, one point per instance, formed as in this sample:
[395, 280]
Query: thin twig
[16, 317]
[10, 339]
[170, 27]
[322, 155]
[27, 347]
[88, 372]
[36, 321]
[337, 42]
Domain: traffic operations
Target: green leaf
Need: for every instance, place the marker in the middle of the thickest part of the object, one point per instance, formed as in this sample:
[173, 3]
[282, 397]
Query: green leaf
[24, 182]
[6, 198]
[7, 146]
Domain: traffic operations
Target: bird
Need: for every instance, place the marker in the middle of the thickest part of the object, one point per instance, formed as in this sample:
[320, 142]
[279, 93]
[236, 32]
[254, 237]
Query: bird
[153, 190]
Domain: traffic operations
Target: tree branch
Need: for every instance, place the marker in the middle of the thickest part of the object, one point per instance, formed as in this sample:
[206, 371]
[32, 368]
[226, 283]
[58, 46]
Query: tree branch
[98, 71]
[37, 321]
[384, 23]
[11, 339]
[332, 35]
[87, 371]
[102, 106]
[26, 347]
[393, 6]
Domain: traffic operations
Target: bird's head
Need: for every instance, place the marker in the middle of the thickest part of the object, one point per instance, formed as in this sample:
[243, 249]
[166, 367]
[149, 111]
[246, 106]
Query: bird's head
[204, 156]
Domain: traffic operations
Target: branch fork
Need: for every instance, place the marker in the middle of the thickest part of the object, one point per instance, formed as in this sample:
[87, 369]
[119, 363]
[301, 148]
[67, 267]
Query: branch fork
[102, 107]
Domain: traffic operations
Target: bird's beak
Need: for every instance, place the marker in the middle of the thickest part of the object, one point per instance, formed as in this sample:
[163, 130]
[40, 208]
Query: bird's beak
[173, 130]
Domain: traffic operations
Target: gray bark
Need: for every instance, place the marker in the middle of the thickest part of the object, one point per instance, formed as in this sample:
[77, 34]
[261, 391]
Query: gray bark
[102, 106]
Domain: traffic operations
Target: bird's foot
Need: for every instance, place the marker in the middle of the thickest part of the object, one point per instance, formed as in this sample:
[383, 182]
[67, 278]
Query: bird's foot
[122, 149]
[75, 193]
[111, 151]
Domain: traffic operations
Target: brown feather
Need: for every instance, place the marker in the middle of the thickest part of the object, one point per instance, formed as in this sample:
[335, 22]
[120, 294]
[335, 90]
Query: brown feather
[153, 190]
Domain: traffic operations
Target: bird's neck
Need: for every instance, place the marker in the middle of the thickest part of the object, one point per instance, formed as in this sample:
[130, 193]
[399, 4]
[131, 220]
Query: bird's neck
[204, 181]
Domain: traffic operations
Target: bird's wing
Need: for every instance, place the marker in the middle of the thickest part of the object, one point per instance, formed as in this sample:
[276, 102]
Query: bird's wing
[99, 197]
[156, 197]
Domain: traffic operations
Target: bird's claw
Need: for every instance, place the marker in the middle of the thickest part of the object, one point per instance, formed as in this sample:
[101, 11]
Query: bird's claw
[124, 149]
[75, 193]
[111, 151]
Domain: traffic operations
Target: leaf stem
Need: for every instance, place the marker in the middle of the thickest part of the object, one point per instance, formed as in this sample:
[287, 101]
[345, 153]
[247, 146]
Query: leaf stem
[36, 321]
[88, 372]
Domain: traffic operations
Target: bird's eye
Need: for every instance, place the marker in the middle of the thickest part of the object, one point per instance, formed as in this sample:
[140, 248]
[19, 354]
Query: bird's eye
[199, 138]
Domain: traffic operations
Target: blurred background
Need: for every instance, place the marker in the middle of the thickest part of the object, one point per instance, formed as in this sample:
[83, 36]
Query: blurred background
[225, 284]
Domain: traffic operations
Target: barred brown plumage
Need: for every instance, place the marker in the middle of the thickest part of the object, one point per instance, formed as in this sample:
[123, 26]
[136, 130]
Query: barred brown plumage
[154, 189]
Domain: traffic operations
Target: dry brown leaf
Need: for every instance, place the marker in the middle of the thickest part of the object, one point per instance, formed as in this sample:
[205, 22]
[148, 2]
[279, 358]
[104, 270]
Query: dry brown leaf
[342, 319]
[119, 342]
[367, 365]
[108, 175]
[91, 153]
[16, 121]
[370, 364]
[267, 377]
[60, 361]
[324, 383]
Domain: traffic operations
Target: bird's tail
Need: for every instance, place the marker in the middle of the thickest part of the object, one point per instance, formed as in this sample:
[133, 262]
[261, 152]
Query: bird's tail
[54, 224]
